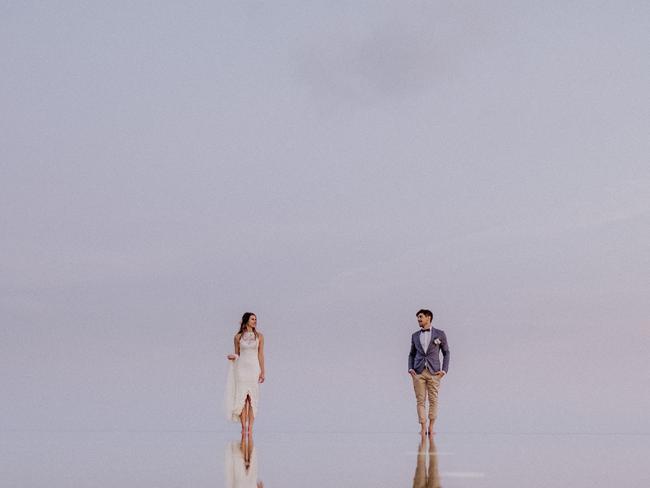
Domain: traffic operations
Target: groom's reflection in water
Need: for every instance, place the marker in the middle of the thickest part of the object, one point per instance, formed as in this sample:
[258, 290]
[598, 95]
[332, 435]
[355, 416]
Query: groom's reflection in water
[426, 469]
[241, 464]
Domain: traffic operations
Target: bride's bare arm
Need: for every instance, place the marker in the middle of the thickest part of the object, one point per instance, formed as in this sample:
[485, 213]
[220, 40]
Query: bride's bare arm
[232, 357]
[260, 356]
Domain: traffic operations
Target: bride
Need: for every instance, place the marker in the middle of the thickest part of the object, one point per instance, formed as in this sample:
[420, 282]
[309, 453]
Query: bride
[246, 372]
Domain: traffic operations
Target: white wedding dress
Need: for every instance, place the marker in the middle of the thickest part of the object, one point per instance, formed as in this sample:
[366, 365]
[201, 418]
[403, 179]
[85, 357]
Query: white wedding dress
[243, 377]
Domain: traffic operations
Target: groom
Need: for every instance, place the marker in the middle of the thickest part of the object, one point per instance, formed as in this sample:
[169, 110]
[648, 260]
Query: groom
[424, 367]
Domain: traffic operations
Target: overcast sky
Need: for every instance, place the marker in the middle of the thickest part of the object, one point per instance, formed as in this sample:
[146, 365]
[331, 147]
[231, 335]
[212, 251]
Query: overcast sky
[333, 167]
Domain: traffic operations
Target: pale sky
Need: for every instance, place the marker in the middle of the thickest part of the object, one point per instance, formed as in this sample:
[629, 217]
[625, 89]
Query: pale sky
[333, 167]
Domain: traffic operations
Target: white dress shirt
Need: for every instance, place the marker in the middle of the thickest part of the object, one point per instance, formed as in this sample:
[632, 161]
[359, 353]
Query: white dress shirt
[425, 338]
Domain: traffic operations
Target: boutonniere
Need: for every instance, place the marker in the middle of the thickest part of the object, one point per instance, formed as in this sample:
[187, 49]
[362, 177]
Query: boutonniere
[437, 342]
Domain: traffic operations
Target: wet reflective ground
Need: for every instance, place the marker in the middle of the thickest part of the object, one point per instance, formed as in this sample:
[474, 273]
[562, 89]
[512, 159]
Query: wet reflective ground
[215, 459]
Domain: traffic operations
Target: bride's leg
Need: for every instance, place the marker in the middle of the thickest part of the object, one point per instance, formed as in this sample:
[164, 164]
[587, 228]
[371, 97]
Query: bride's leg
[244, 418]
[251, 415]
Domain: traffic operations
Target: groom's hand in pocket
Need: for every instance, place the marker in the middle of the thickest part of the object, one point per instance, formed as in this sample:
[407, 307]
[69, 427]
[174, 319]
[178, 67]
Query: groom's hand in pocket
[412, 372]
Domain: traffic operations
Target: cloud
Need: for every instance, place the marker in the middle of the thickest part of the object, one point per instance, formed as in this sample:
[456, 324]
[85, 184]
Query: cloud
[406, 53]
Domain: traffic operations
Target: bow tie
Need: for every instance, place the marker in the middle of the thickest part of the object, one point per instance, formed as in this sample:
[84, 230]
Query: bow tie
[422, 331]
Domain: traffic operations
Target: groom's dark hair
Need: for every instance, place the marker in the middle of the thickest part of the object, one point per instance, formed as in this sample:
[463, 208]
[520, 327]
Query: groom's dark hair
[425, 312]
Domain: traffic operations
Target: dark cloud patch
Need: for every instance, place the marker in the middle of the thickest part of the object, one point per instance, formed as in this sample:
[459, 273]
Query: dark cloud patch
[400, 57]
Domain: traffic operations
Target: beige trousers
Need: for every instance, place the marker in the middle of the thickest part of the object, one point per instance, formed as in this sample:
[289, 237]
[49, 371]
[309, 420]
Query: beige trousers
[426, 384]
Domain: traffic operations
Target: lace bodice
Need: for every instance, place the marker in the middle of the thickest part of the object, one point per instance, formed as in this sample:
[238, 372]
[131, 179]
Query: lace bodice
[248, 341]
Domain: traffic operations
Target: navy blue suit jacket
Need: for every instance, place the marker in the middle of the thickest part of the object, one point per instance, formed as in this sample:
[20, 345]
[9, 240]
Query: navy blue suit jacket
[418, 356]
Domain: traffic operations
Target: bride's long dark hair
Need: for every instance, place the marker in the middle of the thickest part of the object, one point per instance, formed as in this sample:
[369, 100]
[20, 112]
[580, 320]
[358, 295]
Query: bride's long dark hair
[244, 322]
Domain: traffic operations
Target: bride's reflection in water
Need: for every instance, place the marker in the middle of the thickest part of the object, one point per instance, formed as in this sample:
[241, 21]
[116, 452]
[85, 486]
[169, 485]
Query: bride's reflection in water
[426, 469]
[241, 464]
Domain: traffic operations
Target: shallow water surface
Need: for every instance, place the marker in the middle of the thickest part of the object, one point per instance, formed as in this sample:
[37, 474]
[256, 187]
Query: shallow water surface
[215, 459]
